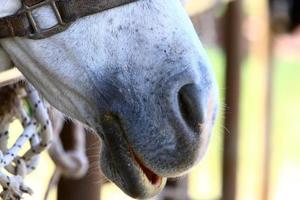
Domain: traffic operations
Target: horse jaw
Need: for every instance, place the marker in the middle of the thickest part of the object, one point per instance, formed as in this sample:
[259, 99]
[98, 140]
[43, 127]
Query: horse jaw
[119, 71]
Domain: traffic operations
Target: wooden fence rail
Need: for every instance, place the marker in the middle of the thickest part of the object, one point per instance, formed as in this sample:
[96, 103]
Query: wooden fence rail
[10, 76]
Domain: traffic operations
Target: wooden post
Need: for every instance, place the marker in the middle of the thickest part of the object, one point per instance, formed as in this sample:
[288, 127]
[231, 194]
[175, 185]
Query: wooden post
[265, 193]
[259, 49]
[89, 186]
[232, 43]
[268, 129]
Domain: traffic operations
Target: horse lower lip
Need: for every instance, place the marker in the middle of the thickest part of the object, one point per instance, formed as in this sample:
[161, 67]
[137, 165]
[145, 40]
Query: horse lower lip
[153, 178]
[112, 124]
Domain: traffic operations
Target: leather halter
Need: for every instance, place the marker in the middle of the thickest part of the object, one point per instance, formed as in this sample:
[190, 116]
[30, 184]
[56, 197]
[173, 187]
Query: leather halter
[24, 24]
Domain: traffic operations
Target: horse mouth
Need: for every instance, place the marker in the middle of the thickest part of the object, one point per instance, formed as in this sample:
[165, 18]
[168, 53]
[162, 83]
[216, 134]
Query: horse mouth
[123, 166]
[153, 178]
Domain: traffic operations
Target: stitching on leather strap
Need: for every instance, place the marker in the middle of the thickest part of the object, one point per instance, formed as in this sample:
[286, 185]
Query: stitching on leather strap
[66, 11]
[10, 27]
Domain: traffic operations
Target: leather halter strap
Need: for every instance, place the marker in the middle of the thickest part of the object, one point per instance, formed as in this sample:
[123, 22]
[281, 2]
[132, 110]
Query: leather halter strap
[24, 24]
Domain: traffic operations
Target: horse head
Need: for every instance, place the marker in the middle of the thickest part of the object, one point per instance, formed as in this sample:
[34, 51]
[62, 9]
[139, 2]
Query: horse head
[138, 75]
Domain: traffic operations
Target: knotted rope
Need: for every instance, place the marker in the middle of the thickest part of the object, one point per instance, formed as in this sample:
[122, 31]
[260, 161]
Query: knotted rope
[37, 130]
[21, 101]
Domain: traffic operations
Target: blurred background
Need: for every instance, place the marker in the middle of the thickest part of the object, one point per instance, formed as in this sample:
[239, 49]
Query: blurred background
[255, 148]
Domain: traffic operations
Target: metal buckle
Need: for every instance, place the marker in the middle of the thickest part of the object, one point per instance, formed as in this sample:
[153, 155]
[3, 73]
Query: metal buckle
[39, 33]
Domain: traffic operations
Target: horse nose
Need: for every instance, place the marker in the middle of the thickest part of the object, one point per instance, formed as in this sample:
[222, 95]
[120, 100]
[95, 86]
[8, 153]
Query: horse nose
[191, 106]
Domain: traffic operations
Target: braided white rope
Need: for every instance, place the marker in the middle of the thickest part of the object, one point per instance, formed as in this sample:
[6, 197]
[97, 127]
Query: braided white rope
[42, 118]
[37, 130]
[72, 163]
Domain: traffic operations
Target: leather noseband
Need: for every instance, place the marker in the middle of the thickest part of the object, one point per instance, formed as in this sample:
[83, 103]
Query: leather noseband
[24, 24]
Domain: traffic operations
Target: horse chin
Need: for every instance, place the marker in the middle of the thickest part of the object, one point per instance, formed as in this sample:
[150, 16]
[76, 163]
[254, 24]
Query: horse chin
[122, 166]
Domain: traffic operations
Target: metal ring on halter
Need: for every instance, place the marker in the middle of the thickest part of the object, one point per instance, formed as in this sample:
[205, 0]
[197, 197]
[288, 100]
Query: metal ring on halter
[39, 33]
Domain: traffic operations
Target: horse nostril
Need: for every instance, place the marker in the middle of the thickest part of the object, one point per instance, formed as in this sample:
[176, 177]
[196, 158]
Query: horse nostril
[190, 105]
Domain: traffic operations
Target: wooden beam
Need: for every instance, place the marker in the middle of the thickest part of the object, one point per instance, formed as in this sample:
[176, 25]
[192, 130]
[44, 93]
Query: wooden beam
[269, 81]
[254, 167]
[266, 162]
[10, 76]
[88, 187]
[233, 24]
